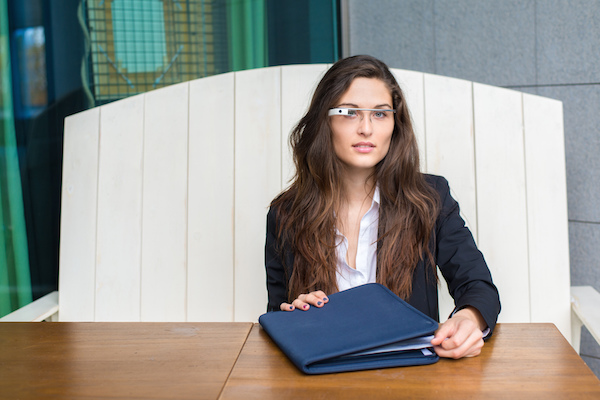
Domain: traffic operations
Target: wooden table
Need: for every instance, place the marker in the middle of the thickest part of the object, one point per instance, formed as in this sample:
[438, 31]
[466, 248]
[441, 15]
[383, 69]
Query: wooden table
[520, 361]
[239, 361]
[73, 360]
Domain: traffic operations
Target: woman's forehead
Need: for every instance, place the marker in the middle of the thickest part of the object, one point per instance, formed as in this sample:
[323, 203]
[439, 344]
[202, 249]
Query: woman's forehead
[363, 92]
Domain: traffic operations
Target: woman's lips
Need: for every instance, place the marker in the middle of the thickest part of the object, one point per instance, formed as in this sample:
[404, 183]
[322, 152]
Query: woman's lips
[364, 147]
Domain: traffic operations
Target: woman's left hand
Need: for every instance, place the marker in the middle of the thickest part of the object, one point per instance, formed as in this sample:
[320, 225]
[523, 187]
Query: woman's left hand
[461, 335]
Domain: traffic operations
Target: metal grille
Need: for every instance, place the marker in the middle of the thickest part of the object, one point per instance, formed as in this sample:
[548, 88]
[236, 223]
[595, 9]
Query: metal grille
[140, 45]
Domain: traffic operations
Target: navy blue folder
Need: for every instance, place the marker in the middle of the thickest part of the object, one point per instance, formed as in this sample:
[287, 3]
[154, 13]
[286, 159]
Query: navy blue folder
[366, 327]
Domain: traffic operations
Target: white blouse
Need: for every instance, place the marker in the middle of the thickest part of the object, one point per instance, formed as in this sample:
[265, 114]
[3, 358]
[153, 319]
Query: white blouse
[366, 252]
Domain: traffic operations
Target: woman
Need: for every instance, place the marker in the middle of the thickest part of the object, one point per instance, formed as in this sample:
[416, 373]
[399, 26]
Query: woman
[359, 211]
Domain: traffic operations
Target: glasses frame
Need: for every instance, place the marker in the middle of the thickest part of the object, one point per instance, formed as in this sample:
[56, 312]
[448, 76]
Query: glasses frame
[344, 110]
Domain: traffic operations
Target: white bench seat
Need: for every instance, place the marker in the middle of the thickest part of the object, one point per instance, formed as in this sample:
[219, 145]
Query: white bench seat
[165, 194]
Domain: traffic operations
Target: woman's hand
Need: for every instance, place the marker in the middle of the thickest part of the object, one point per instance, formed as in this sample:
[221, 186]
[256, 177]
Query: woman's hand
[460, 336]
[304, 301]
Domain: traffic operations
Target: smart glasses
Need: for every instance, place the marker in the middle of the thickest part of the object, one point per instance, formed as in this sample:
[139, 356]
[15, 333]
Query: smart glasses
[358, 113]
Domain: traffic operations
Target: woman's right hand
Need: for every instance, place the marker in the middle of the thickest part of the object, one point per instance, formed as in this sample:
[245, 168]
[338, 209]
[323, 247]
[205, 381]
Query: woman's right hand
[304, 301]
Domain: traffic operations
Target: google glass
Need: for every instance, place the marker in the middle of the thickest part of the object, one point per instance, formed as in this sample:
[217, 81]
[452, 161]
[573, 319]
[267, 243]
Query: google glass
[352, 111]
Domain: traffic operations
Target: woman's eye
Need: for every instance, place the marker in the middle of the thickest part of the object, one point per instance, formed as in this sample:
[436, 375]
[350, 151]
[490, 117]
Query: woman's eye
[379, 114]
[352, 113]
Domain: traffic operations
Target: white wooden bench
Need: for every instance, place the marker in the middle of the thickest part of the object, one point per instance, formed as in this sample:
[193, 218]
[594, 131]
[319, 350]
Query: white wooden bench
[165, 194]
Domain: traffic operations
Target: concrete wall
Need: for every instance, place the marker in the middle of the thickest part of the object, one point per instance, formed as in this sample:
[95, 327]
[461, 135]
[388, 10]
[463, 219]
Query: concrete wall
[544, 47]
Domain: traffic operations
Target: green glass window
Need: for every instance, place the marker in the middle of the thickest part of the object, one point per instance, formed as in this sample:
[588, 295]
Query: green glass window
[139, 45]
[15, 283]
[70, 55]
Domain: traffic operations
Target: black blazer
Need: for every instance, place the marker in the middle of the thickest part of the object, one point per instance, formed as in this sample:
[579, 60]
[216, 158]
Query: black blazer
[459, 260]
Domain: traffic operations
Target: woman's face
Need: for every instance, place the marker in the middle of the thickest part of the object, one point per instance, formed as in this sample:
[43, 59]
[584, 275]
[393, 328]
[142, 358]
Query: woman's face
[362, 139]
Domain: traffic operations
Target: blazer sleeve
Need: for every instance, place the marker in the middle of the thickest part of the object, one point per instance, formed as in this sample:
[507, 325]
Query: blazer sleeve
[461, 263]
[277, 281]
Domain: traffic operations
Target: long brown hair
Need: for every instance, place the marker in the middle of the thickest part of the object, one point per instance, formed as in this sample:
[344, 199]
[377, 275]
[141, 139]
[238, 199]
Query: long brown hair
[306, 210]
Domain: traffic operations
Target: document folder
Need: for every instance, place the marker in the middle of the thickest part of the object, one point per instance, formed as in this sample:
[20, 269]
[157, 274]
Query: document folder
[365, 327]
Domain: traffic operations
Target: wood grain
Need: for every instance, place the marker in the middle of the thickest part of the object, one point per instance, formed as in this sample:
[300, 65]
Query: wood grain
[519, 361]
[117, 360]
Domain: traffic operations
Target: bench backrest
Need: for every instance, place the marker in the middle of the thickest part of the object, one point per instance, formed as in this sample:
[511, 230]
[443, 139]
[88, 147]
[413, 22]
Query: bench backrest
[165, 193]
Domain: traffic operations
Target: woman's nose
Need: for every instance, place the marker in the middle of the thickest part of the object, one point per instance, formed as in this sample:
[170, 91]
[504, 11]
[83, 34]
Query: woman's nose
[365, 126]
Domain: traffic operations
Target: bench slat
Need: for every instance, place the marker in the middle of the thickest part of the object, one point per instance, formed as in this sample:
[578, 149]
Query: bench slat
[210, 200]
[164, 215]
[501, 199]
[547, 211]
[257, 181]
[77, 277]
[118, 254]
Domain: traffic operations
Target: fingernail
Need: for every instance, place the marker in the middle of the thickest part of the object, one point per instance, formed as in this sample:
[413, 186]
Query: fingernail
[305, 306]
[324, 298]
[291, 307]
[319, 303]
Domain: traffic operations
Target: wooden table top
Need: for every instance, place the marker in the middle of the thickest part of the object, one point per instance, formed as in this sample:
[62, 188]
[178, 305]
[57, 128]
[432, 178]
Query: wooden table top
[519, 361]
[65, 360]
[239, 361]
